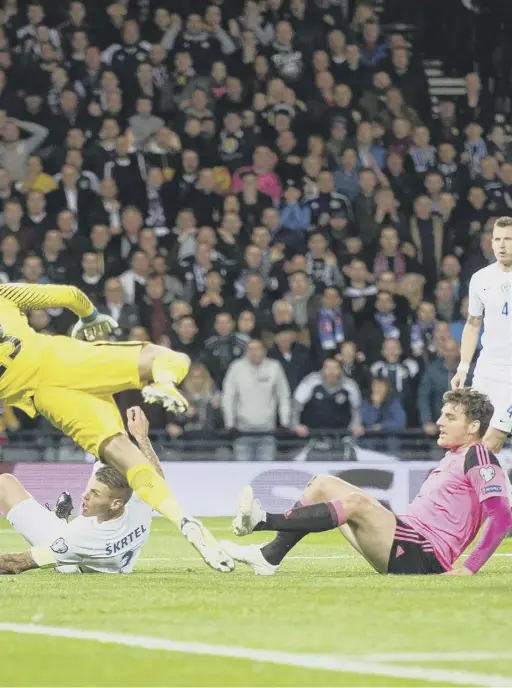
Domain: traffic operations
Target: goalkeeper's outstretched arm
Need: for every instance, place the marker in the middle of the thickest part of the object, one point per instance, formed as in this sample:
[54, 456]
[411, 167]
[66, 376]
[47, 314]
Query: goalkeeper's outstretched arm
[41, 296]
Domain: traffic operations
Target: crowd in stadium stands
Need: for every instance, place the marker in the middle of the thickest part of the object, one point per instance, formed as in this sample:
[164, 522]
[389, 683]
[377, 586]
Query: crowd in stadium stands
[213, 173]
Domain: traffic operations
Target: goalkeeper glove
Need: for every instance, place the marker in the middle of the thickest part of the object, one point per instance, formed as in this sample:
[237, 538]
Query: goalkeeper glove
[94, 326]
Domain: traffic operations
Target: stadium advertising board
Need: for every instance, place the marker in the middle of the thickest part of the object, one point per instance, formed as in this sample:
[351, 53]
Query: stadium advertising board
[211, 488]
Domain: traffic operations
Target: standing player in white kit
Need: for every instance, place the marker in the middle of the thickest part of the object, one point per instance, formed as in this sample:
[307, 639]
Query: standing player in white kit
[490, 301]
[108, 536]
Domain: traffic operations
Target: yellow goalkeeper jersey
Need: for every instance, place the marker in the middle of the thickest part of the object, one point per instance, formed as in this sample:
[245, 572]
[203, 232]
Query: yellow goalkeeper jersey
[22, 349]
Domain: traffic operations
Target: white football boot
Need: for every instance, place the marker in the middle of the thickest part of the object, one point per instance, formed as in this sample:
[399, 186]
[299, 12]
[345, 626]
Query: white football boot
[166, 394]
[251, 556]
[250, 513]
[206, 545]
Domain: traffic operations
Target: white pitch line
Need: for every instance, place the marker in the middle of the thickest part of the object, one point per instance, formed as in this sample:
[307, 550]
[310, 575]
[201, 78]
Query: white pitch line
[437, 657]
[307, 661]
[297, 558]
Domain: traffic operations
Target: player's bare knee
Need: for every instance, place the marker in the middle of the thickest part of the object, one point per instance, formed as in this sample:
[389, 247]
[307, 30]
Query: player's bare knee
[11, 492]
[356, 503]
[317, 488]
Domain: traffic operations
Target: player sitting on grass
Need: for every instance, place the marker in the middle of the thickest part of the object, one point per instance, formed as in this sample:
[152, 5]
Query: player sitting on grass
[467, 488]
[71, 383]
[107, 537]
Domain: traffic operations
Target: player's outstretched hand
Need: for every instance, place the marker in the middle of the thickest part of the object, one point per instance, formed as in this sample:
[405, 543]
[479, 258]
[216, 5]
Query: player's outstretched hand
[96, 325]
[138, 424]
[462, 571]
[458, 380]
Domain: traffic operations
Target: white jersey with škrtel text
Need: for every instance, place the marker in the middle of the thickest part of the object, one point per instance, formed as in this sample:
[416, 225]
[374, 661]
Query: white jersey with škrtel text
[108, 547]
[490, 296]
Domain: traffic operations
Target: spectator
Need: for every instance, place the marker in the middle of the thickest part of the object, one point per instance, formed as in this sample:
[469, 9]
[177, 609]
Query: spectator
[422, 331]
[138, 334]
[208, 304]
[91, 280]
[124, 314]
[36, 178]
[446, 304]
[295, 215]
[14, 151]
[294, 357]
[305, 303]
[254, 392]
[263, 163]
[10, 258]
[429, 239]
[332, 325]
[373, 49]
[282, 313]
[252, 201]
[134, 280]
[107, 248]
[36, 217]
[70, 196]
[365, 208]
[330, 210]
[434, 383]
[321, 264]
[185, 337]
[223, 347]
[256, 302]
[55, 258]
[152, 309]
[144, 124]
[203, 414]
[401, 372]
[450, 271]
[246, 325]
[346, 177]
[360, 288]
[390, 258]
[353, 365]
[381, 411]
[384, 324]
[32, 271]
[15, 226]
[327, 400]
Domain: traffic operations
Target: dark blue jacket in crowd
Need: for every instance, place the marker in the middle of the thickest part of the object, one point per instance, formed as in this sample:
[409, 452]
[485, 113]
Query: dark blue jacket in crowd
[391, 415]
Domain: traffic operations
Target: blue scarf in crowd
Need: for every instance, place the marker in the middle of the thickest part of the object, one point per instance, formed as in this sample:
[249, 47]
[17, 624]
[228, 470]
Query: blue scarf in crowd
[387, 325]
[331, 329]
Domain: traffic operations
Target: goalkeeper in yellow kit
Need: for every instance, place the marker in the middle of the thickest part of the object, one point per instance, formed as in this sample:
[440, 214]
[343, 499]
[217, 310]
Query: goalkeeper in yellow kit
[71, 383]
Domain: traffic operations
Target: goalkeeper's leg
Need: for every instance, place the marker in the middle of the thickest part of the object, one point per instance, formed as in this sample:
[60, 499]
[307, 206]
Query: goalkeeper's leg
[163, 369]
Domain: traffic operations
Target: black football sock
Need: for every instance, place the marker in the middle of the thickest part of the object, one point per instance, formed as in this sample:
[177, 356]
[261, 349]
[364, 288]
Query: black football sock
[306, 519]
[274, 552]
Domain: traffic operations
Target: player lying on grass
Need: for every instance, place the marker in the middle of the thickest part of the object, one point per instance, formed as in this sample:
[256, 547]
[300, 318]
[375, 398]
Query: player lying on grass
[467, 488]
[107, 537]
[71, 383]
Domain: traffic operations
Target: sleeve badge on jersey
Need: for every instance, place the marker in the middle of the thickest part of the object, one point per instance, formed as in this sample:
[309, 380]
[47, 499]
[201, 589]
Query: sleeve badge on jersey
[59, 546]
[487, 473]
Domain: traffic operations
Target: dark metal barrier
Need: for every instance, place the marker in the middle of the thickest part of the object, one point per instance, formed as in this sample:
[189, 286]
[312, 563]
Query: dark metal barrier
[327, 445]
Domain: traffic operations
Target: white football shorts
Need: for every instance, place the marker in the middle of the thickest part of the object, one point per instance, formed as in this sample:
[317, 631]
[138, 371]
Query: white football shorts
[496, 382]
[38, 526]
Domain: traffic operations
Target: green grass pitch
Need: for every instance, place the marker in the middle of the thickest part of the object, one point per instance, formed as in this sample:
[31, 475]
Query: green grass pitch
[325, 620]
